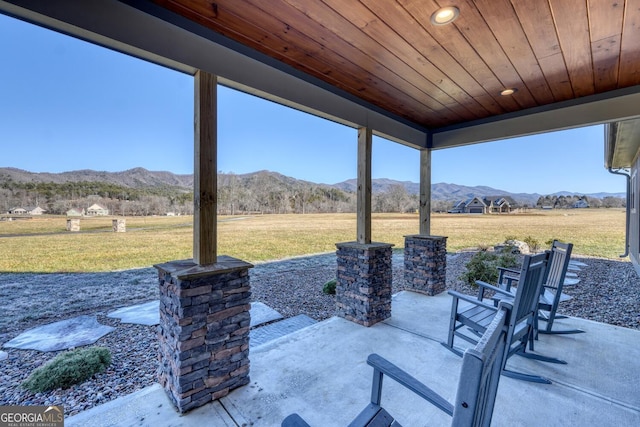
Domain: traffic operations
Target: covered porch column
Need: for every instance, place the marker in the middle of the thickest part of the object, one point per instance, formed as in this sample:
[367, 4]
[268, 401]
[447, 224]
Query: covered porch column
[425, 256]
[204, 301]
[363, 288]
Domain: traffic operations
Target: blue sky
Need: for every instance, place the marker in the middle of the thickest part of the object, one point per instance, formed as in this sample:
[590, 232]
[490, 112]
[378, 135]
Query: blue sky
[66, 105]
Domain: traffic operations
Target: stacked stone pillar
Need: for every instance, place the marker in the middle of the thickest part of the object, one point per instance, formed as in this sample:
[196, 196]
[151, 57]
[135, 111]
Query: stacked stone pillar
[204, 330]
[363, 288]
[73, 225]
[425, 263]
[119, 225]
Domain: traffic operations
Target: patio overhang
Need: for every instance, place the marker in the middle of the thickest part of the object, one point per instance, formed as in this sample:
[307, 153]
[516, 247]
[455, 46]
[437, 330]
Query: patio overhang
[622, 142]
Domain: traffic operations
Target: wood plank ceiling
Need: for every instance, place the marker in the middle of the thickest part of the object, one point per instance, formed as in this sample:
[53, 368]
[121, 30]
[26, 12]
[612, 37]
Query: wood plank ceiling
[388, 53]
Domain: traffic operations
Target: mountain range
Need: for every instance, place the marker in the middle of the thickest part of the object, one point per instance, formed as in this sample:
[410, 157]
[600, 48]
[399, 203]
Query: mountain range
[141, 178]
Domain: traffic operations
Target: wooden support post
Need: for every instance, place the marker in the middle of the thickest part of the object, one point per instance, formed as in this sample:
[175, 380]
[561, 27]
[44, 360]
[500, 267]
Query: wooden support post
[205, 169]
[425, 191]
[365, 137]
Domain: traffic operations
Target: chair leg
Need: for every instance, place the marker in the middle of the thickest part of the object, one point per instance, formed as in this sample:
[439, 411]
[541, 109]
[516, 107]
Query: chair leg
[549, 331]
[562, 332]
[526, 377]
[541, 358]
[455, 350]
[452, 324]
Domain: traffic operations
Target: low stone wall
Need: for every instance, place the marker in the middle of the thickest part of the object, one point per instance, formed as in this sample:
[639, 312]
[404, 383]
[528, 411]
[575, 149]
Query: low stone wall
[364, 276]
[425, 263]
[204, 330]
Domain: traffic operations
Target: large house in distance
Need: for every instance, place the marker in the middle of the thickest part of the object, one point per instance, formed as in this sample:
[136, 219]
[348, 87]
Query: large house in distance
[17, 211]
[477, 205]
[97, 210]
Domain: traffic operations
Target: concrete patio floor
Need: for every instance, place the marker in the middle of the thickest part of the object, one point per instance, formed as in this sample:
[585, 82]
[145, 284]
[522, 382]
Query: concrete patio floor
[321, 373]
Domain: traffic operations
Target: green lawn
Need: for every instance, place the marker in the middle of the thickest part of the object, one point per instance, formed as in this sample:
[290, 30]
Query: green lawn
[44, 245]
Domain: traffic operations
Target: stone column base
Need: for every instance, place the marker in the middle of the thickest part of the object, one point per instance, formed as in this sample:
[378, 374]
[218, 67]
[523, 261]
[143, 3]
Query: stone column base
[363, 288]
[425, 263]
[204, 330]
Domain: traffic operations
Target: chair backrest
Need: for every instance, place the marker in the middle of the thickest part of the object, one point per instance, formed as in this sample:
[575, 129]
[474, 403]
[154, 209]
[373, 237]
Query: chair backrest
[480, 375]
[532, 275]
[558, 264]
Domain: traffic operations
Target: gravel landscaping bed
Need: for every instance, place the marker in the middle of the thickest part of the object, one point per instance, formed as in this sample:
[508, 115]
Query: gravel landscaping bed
[609, 292]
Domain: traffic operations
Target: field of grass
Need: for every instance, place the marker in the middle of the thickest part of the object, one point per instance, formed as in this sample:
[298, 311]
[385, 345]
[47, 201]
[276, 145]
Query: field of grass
[44, 245]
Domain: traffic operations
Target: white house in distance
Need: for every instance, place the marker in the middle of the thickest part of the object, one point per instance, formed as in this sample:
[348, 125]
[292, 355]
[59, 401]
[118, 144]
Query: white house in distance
[28, 211]
[36, 211]
[97, 210]
[17, 211]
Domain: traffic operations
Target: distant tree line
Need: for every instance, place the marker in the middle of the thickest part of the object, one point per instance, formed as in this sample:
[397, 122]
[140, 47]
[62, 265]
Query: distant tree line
[58, 198]
[265, 192]
[261, 192]
[566, 202]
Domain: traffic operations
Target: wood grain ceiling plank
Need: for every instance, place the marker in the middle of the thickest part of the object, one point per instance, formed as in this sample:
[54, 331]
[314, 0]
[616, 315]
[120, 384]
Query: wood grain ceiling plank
[572, 26]
[336, 23]
[537, 23]
[223, 22]
[398, 19]
[452, 41]
[477, 33]
[390, 21]
[605, 18]
[503, 21]
[318, 44]
[605, 28]
[629, 71]
[606, 57]
[408, 62]
[555, 71]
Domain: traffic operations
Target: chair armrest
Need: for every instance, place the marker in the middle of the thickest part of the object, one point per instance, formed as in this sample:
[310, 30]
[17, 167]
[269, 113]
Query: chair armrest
[402, 377]
[493, 288]
[507, 275]
[508, 270]
[470, 299]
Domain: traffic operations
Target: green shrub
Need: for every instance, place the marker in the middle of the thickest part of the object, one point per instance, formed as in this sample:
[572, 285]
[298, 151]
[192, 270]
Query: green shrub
[533, 244]
[484, 266]
[68, 368]
[329, 287]
[507, 259]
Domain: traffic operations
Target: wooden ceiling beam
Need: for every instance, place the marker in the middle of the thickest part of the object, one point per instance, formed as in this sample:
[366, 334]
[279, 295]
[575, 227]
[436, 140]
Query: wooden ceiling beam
[621, 104]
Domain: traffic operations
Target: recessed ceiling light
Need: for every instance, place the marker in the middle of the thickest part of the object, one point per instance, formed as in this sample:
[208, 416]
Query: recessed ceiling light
[445, 15]
[508, 91]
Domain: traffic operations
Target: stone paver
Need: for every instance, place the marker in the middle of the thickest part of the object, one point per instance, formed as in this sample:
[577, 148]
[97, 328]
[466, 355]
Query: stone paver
[149, 314]
[141, 314]
[74, 332]
[262, 313]
[279, 329]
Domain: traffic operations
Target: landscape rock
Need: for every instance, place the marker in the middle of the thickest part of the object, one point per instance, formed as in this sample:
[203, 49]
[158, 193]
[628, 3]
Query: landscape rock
[141, 314]
[62, 335]
[518, 246]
